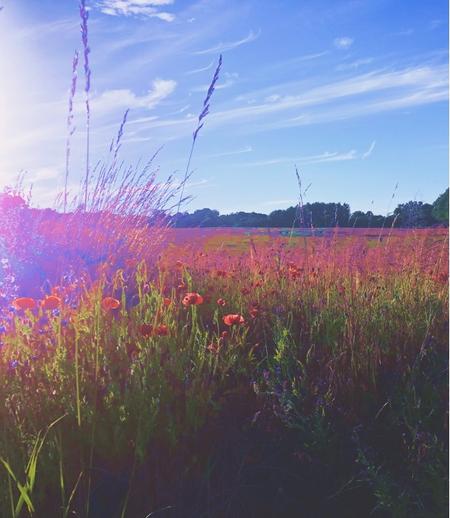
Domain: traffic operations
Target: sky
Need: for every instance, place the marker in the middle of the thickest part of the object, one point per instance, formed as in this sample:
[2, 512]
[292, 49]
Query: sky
[352, 92]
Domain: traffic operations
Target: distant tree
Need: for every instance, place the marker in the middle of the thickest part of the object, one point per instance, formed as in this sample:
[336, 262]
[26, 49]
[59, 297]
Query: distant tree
[359, 219]
[200, 218]
[282, 218]
[414, 214]
[440, 208]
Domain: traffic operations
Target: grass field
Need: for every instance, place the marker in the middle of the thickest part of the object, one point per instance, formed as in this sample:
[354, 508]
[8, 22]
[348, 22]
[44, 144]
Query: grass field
[235, 375]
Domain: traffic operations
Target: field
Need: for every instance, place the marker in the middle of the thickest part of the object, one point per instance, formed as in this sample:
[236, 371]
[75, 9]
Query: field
[149, 370]
[227, 373]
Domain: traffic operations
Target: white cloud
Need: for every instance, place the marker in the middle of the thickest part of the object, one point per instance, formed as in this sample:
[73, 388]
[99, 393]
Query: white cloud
[360, 95]
[202, 69]
[148, 8]
[354, 64]
[272, 98]
[111, 100]
[311, 159]
[223, 47]
[369, 151]
[230, 80]
[343, 42]
[240, 151]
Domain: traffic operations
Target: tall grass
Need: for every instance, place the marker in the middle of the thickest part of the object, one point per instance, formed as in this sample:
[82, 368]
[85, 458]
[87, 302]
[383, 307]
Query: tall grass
[344, 355]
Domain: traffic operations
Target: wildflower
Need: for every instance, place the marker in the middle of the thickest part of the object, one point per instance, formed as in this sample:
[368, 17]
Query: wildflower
[192, 299]
[233, 319]
[24, 303]
[2, 329]
[51, 302]
[224, 334]
[109, 303]
[162, 330]
[167, 302]
[245, 291]
[146, 330]
[221, 302]
[254, 312]
[179, 264]
[213, 347]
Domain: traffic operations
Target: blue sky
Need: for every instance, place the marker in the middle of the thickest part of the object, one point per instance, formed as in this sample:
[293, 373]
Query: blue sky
[353, 92]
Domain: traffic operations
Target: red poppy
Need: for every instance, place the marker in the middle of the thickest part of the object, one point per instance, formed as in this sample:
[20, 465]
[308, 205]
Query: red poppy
[109, 303]
[221, 302]
[162, 330]
[233, 319]
[213, 347]
[167, 302]
[254, 312]
[51, 302]
[146, 330]
[192, 299]
[24, 303]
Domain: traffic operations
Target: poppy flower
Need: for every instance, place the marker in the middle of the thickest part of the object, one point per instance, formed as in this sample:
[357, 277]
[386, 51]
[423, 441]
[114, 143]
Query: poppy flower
[213, 347]
[146, 330]
[167, 302]
[109, 303]
[233, 319]
[221, 302]
[192, 299]
[254, 312]
[51, 302]
[162, 330]
[24, 303]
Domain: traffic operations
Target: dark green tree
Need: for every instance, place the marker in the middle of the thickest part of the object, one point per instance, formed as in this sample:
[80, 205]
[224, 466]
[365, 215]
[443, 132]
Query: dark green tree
[440, 208]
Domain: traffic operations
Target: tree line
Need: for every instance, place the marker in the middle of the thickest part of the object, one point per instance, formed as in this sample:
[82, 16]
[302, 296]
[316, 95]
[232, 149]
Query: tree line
[412, 214]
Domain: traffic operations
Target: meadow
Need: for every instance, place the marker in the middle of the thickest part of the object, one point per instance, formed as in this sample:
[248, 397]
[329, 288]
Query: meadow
[147, 370]
[228, 373]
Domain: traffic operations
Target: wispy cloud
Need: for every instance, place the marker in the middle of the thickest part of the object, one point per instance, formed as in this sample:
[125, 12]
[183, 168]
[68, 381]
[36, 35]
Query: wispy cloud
[344, 42]
[434, 24]
[353, 65]
[202, 69]
[410, 86]
[230, 80]
[240, 151]
[360, 95]
[149, 8]
[223, 47]
[311, 159]
[111, 100]
[369, 151]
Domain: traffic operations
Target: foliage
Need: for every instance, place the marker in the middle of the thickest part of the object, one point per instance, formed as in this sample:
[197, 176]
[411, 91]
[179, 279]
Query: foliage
[440, 207]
